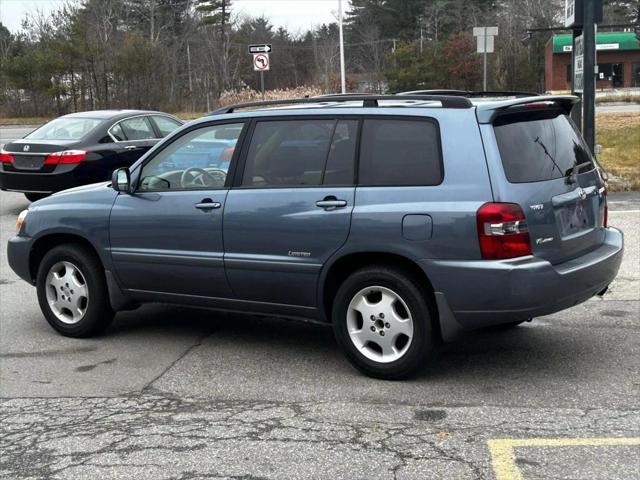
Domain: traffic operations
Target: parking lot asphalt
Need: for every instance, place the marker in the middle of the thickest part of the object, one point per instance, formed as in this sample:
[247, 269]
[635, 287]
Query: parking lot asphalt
[177, 393]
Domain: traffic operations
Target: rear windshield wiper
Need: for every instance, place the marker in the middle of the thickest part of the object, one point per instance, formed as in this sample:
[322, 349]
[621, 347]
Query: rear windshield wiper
[546, 152]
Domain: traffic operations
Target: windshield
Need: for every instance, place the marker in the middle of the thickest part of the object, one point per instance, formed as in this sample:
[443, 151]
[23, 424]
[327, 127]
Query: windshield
[541, 145]
[64, 129]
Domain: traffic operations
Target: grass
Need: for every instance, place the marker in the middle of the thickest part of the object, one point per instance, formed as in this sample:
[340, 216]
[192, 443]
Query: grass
[5, 122]
[625, 98]
[619, 135]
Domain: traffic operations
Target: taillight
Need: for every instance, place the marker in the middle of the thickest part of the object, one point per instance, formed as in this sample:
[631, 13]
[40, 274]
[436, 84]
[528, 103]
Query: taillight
[5, 157]
[502, 231]
[67, 156]
[605, 209]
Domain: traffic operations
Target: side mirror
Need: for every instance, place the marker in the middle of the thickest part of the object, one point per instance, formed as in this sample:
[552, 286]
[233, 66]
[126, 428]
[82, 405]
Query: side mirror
[121, 180]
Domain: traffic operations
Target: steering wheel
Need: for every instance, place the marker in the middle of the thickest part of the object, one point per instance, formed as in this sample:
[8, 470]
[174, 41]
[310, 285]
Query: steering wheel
[195, 176]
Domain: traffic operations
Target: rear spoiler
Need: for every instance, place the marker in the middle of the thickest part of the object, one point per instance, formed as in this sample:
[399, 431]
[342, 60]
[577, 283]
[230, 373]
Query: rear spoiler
[487, 112]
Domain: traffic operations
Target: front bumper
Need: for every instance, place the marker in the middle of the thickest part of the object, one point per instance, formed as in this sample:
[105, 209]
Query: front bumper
[18, 251]
[481, 293]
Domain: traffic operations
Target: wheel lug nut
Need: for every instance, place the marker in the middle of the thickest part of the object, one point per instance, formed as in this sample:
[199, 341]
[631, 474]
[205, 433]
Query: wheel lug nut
[382, 315]
[372, 317]
[388, 325]
[382, 333]
[373, 329]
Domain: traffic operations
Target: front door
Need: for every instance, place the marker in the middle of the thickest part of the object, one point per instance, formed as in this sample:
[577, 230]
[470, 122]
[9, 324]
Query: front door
[167, 236]
[290, 209]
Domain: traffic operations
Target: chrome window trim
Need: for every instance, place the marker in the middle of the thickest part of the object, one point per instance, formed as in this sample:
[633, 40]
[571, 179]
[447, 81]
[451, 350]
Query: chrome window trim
[137, 116]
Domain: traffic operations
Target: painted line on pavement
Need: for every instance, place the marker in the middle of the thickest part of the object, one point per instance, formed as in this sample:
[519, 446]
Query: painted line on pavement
[503, 457]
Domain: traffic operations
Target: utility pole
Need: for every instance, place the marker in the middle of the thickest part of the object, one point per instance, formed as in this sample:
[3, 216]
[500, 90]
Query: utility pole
[589, 94]
[484, 68]
[343, 80]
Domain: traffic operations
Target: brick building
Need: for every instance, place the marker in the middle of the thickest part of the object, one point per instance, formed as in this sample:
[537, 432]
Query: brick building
[618, 57]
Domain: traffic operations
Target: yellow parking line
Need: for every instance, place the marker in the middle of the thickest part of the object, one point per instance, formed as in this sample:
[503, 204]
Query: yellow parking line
[503, 456]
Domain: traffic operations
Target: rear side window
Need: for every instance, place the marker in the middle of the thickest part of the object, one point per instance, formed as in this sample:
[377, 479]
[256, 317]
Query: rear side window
[137, 128]
[538, 146]
[165, 125]
[301, 153]
[400, 152]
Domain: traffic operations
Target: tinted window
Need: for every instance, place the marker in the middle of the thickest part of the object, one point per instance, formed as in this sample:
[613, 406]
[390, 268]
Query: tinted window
[166, 125]
[117, 133]
[137, 128]
[194, 161]
[340, 165]
[290, 153]
[541, 145]
[400, 152]
[73, 128]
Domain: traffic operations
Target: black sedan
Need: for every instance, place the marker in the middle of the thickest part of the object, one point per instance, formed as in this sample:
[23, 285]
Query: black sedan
[80, 148]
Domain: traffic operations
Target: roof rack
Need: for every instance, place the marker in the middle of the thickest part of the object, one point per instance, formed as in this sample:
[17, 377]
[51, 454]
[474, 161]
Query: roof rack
[368, 101]
[472, 93]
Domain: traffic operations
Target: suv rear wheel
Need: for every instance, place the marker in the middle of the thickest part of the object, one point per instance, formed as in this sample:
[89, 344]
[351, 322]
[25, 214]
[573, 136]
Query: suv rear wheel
[72, 291]
[381, 320]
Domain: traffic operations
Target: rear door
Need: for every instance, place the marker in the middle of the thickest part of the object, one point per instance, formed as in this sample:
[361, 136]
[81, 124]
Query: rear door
[291, 207]
[544, 165]
[134, 135]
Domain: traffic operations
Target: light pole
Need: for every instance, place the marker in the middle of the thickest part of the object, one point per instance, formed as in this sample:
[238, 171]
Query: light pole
[343, 81]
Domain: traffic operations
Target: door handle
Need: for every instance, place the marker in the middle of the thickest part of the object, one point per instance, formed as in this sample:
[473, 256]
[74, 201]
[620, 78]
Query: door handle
[130, 147]
[207, 204]
[331, 203]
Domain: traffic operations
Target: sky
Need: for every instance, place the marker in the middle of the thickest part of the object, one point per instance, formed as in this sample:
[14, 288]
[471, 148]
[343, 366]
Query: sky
[295, 15]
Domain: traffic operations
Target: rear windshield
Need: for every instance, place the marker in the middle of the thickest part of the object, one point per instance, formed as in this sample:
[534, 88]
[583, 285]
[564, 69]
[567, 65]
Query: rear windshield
[542, 145]
[65, 129]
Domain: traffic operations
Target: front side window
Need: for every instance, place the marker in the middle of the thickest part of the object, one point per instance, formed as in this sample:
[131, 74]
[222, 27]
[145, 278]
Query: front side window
[69, 128]
[197, 160]
[137, 128]
[301, 152]
[400, 152]
[165, 125]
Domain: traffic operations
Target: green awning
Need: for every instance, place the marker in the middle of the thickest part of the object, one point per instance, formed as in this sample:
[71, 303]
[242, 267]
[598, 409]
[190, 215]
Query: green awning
[604, 41]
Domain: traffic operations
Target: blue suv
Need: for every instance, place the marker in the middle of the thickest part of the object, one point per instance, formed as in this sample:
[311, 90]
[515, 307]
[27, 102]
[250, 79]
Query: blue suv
[400, 220]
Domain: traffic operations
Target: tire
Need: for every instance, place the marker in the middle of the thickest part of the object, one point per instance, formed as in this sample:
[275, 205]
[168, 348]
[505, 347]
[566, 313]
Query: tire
[34, 197]
[72, 291]
[365, 347]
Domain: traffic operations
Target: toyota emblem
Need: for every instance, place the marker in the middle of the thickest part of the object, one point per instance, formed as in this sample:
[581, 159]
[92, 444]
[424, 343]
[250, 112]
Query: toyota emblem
[582, 194]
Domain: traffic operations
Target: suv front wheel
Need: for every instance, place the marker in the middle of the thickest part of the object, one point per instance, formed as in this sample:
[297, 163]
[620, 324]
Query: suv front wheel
[381, 319]
[72, 291]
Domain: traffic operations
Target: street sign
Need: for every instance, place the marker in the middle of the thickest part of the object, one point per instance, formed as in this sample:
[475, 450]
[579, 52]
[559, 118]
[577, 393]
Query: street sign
[574, 12]
[578, 65]
[484, 38]
[260, 62]
[483, 43]
[570, 15]
[264, 48]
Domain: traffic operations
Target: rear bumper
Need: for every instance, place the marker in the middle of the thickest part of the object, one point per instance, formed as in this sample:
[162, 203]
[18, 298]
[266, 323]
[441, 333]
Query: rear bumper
[486, 292]
[63, 177]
